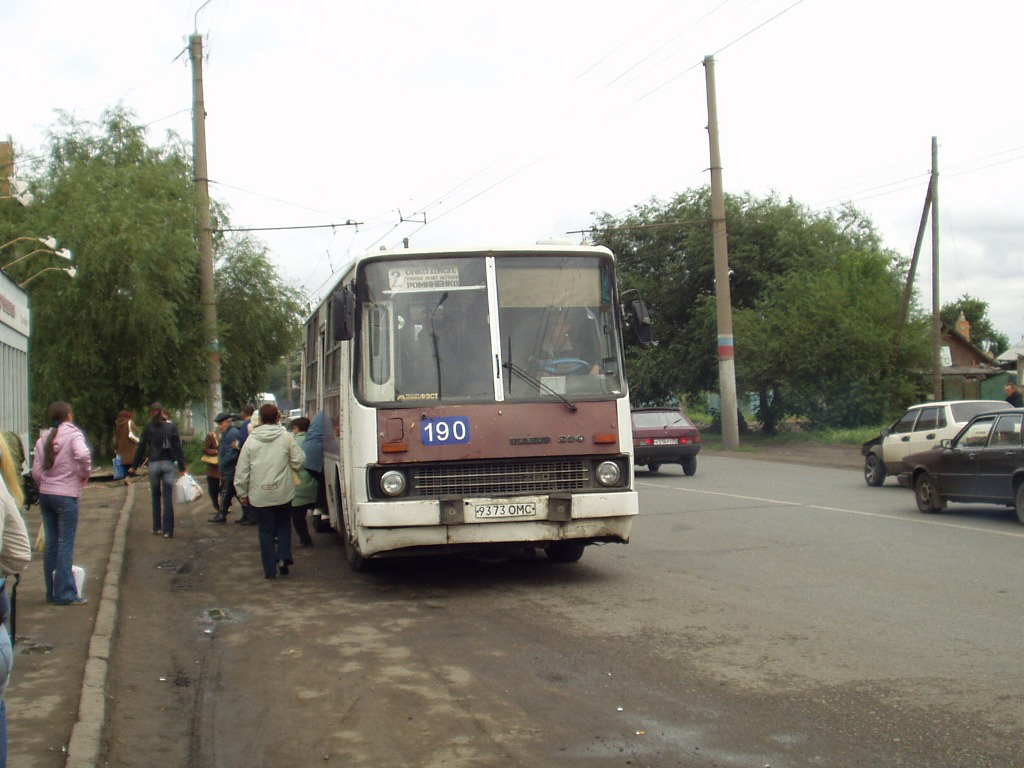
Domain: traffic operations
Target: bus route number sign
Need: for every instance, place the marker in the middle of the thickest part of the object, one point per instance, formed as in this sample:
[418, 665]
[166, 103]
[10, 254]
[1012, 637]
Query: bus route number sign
[445, 430]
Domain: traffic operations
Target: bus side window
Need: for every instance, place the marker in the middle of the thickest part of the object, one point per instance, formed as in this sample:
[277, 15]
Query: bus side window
[380, 345]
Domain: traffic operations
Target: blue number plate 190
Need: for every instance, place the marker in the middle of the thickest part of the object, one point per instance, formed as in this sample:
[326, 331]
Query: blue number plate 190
[446, 430]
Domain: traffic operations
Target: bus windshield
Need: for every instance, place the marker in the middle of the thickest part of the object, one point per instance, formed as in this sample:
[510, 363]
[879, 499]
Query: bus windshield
[488, 328]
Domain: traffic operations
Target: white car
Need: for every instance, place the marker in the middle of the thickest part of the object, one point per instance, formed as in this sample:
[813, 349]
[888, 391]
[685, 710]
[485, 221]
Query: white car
[919, 429]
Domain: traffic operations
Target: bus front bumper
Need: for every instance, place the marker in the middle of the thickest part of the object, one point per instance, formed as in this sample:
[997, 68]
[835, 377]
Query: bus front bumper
[393, 525]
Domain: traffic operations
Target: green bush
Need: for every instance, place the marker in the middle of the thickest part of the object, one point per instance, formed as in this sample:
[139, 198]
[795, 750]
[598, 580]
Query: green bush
[193, 450]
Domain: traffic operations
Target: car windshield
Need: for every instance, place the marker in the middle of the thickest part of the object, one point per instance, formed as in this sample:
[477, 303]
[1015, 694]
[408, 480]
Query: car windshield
[975, 435]
[660, 419]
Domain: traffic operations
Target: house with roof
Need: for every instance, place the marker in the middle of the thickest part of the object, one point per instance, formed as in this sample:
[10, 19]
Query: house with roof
[968, 371]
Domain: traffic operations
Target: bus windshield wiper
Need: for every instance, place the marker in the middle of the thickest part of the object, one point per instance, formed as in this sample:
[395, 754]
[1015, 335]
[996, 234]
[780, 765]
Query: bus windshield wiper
[433, 337]
[513, 368]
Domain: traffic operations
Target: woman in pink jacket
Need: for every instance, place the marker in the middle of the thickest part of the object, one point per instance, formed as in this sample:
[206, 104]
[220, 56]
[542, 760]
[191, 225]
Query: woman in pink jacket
[61, 467]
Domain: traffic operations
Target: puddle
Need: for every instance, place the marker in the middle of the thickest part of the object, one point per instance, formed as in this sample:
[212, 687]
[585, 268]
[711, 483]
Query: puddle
[219, 614]
[176, 567]
[29, 648]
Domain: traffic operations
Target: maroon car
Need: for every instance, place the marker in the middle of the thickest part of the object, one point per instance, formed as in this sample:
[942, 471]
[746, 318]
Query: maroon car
[983, 464]
[664, 436]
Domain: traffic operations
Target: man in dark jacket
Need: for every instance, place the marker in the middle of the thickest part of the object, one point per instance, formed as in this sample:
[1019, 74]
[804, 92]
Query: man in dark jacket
[247, 518]
[227, 456]
[314, 449]
[161, 444]
[1013, 396]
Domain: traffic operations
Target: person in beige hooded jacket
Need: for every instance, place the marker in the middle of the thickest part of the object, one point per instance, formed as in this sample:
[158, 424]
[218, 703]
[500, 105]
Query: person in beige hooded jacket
[264, 481]
[15, 553]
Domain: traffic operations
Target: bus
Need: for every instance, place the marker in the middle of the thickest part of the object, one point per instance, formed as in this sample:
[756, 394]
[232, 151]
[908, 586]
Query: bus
[474, 401]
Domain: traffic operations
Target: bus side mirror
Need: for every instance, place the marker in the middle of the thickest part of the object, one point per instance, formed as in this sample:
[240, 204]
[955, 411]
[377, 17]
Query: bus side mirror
[344, 314]
[642, 323]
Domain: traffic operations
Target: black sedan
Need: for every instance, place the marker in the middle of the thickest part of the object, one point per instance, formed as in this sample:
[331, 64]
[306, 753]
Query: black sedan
[984, 464]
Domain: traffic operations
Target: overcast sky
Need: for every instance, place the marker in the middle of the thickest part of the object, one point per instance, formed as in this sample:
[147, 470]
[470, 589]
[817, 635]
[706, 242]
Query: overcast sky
[508, 123]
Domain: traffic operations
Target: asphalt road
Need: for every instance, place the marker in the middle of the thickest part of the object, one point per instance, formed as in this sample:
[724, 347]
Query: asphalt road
[764, 614]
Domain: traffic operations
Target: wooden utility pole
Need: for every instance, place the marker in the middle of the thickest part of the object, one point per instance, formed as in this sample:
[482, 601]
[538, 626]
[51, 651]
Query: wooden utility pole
[207, 293]
[908, 289]
[723, 293]
[936, 322]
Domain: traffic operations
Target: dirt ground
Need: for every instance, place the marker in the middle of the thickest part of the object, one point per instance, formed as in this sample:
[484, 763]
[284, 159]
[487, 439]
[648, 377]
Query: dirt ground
[191, 609]
[52, 642]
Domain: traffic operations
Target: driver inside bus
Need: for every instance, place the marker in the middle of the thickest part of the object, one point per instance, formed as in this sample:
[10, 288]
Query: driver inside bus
[567, 347]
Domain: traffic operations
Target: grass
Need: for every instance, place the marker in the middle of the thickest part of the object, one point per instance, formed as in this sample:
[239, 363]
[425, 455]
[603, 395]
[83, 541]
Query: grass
[793, 434]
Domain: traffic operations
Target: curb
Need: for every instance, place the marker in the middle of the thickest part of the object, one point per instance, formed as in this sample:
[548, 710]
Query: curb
[87, 733]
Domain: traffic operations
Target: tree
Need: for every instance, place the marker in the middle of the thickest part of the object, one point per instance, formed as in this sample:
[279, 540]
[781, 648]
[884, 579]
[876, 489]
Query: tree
[665, 250]
[983, 333]
[259, 316]
[820, 345]
[127, 330]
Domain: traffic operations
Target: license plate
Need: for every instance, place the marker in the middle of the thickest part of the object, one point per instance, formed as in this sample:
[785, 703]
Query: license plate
[497, 511]
[665, 441]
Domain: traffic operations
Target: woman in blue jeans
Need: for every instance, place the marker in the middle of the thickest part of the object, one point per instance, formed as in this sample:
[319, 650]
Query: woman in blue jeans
[61, 467]
[161, 444]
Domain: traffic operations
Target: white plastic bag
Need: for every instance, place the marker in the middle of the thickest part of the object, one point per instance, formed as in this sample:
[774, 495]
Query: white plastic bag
[79, 573]
[186, 490]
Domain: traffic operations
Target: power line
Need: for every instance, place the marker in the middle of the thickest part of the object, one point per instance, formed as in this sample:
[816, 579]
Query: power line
[349, 223]
[663, 45]
[762, 24]
[724, 47]
[268, 197]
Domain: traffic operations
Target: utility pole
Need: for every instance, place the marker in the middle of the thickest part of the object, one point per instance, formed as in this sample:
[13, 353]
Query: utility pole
[723, 293]
[207, 293]
[908, 289]
[936, 323]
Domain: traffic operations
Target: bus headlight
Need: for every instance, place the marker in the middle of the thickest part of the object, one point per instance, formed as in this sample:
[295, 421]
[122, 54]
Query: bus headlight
[392, 483]
[608, 473]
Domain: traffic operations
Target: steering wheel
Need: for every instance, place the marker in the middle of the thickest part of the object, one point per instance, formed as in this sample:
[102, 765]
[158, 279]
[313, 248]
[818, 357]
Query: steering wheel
[565, 366]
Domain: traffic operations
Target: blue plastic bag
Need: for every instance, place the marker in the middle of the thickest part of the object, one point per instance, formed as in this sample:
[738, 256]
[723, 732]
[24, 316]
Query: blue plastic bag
[119, 469]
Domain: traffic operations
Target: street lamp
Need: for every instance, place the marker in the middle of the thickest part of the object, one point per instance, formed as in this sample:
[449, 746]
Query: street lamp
[64, 253]
[70, 270]
[21, 193]
[49, 242]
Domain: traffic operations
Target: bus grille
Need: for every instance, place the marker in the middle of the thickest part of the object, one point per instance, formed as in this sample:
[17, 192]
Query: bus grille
[501, 479]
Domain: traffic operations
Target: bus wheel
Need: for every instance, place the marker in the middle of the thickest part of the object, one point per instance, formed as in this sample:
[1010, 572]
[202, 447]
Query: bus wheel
[564, 551]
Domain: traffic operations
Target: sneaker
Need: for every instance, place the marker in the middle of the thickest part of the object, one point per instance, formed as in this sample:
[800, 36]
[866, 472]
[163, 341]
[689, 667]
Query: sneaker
[157, 531]
[76, 601]
[168, 535]
[283, 569]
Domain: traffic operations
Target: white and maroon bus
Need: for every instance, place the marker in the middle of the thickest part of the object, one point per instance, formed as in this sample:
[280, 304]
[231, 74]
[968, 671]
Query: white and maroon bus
[474, 400]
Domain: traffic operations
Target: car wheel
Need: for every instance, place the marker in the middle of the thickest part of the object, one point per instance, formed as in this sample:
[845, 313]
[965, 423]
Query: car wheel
[652, 468]
[924, 491]
[564, 551]
[874, 470]
[690, 466]
[1019, 502]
